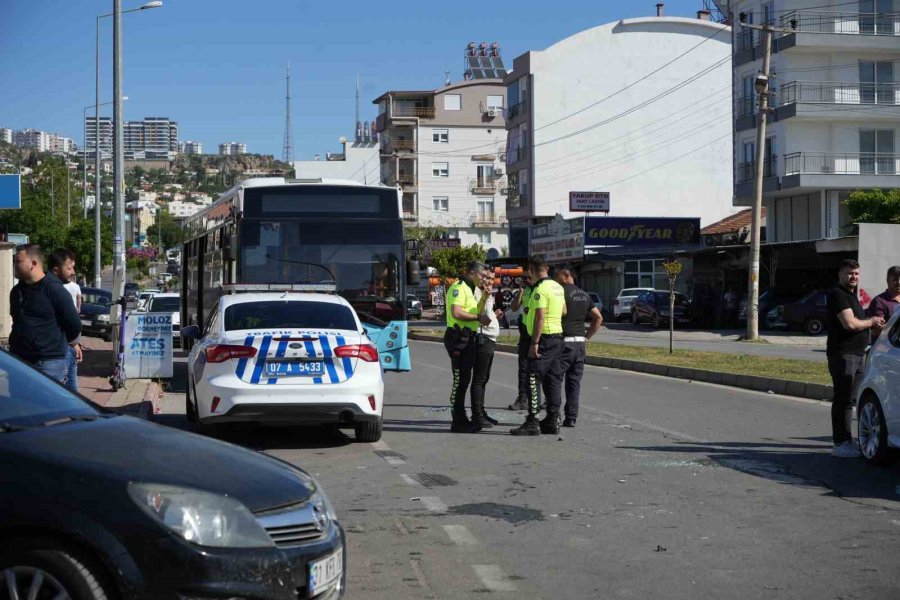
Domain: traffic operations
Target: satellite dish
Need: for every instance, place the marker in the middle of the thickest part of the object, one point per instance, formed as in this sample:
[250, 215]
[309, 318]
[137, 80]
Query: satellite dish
[493, 254]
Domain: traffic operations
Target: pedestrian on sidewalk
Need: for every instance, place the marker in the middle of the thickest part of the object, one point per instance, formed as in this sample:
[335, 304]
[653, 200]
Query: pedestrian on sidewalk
[463, 319]
[579, 308]
[884, 304]
[848, 336]
[61, 264]
[546, 308]
[520, 302]
[44, 318]
[485, 344]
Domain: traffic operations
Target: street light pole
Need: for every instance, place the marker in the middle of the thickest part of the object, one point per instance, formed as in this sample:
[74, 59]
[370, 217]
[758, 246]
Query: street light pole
[118, 157]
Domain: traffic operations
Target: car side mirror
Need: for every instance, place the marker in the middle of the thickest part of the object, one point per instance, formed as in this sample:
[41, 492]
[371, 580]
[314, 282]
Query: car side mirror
[191, 332]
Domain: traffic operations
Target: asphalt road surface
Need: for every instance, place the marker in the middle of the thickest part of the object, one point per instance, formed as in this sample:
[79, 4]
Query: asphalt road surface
[666, 489]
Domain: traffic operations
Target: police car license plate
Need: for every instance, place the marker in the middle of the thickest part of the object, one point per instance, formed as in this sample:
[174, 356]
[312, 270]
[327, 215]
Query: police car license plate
[294, 368]
[324, 572]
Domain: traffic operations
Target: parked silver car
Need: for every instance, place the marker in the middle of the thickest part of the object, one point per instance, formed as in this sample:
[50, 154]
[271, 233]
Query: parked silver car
[878, 397]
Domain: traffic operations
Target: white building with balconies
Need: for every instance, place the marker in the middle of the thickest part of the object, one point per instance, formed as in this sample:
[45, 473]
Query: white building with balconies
[834, 111]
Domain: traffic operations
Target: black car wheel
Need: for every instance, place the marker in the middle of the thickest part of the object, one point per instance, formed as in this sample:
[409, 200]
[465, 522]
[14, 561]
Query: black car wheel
[634, 317]
[44, 569]
[656, 322]
[814, 326]
[369, 431]
[872, 432]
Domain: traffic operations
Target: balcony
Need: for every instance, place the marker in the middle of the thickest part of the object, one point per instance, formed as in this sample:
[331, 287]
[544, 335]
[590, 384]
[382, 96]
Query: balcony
[412, 112]
[483, 187]
[840, 30]
[745, 180]
[516, 154]
[517, 110]
[487, 219]
[746, 172]
[399, 147]
[839, 98]
[841, 170]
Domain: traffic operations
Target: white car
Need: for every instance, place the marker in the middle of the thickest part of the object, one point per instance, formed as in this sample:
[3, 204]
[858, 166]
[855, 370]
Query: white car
[144, 297]
[622, 303]
[285, 358]
[878, 397]
[170, 303]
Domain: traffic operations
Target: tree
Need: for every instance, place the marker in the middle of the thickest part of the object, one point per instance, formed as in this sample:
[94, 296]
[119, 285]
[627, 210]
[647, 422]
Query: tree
[172, 235]
[450, 262]
[874, 206]
[80, 240]
[40, 217]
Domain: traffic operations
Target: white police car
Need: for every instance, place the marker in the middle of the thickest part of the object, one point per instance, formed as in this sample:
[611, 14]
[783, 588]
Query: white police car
[285, 358]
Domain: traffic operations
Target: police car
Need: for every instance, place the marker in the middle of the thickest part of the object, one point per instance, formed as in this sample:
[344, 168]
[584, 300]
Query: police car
[300, 358]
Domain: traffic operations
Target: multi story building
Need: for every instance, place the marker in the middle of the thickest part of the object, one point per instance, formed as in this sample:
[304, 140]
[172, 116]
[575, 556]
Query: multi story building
[133, 140]
[445, 149]
[106, 136]
[62, 145]
[6, 135]
[232, 148]
[152, 138]
[651, 127]
[160, 137]
[181, 210]
[358, 160]
[189, 147]
[34, 139]
[835, 112]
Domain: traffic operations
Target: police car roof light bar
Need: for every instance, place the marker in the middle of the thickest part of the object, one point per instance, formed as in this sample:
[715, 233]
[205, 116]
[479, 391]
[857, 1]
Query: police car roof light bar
[328, 288]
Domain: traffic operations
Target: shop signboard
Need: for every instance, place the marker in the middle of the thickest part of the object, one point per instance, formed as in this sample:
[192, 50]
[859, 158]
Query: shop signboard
[589, 202]
[641, 231]
[561, 240]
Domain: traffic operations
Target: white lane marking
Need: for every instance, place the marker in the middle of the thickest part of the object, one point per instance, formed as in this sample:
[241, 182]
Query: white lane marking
[731, 388]
[460, 535]
[409, 480]
[416, 565]
[394, 461]
[493, 578]
[434, 504]
[380, 445]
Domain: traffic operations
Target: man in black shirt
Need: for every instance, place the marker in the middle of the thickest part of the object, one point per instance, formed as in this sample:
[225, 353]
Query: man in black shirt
[45, 320]
[579, 307]
[848, 336]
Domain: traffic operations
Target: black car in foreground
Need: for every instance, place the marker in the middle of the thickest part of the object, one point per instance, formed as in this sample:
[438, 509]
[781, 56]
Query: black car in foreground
[94, 313]
[95, 506]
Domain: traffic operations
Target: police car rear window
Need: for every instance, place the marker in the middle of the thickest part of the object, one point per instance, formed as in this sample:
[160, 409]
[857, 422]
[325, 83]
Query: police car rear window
[286, 314]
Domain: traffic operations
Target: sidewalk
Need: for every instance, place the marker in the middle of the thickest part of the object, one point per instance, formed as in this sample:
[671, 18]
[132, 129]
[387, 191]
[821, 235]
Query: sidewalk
[139, 397]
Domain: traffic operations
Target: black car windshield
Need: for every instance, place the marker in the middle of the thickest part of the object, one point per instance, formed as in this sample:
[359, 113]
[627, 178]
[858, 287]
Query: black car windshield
[29, 399]
[101, 297]
[288, 314]
[171, 304]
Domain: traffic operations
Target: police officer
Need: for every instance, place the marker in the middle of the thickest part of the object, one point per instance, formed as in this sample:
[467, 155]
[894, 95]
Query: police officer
[463, 319]
[546, 308]
[579, 307]
[521, 302]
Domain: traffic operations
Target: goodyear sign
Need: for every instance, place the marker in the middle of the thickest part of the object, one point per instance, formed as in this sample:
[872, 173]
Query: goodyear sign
[148, 345]
[639, 231]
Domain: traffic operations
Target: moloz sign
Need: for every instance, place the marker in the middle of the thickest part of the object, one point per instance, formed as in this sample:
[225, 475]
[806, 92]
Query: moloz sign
[637, 231]
[589, 201]
[148, 345]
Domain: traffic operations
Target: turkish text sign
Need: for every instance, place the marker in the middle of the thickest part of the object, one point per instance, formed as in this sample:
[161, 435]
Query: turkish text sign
[639, 231]
[589, 201]
[148, 345]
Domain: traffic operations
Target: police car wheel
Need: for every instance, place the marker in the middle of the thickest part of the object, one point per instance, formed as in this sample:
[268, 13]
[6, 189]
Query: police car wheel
[369, 431]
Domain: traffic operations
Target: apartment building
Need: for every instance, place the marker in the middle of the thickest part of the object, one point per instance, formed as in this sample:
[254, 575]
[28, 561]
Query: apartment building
[232, 148]
[6, 135]
[106, 136]
[835, 112]
[358, 160]
[153, 138]
[189, 147]
[608, 109]
[445, 149]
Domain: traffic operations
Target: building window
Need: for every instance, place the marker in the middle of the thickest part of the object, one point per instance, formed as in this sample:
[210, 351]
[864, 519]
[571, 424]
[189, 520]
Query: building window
[440, 136]
[440, 169]
[646, 273]
[768, 13]
[876, 151]
[452, 102]
[486, 211]
[484, 238]
[441, 203]
[523, 187]
[495, 102]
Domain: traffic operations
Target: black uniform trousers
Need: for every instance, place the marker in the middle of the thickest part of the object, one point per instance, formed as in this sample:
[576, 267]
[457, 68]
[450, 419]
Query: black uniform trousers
[572, 367]
[522, 351]
[545, 372]
[844, 370]
[462, 360]
[484, 359]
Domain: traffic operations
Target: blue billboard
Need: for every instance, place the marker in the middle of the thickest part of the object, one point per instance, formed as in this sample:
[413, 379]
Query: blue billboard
[10, 191]
[641, 231]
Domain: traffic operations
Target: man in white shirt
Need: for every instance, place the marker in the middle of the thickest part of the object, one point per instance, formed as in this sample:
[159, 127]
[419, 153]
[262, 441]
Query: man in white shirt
[485, 342]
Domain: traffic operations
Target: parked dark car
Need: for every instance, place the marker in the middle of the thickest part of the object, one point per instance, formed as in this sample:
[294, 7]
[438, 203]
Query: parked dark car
[96, 505]
[768, 300]
[95, 305]
[806, 314]
[131, 290]
[413, 306]
[652, 306]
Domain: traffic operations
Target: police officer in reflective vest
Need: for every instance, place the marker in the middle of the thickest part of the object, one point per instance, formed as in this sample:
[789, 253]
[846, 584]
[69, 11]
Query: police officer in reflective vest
[520, 302]
[464, 315]
[546, 308]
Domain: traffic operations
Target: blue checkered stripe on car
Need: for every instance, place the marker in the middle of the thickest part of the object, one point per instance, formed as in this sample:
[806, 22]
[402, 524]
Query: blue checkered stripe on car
[275, 347]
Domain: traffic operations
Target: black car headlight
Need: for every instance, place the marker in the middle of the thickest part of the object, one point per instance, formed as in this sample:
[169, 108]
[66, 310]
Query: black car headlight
[202, 518]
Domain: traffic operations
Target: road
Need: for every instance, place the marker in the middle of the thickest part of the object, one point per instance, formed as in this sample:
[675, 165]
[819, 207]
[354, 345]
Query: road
[665, 489]
[643, 335]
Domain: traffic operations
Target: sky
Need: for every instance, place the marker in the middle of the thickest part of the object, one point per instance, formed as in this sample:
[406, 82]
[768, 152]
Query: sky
[217, 67]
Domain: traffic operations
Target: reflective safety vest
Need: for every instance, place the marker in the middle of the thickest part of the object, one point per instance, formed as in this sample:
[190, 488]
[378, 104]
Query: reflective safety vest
[460, 294]
[550, 296]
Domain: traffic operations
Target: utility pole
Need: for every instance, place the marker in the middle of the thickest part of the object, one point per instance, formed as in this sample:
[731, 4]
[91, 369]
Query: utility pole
[52, 196]
[118, 160]
[762, 89]
[68, 196]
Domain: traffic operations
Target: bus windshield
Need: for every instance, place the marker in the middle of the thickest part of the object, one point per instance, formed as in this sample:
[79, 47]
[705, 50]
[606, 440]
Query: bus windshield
[362, 259]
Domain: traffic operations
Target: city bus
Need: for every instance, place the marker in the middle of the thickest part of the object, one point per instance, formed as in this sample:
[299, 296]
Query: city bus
[278, 234]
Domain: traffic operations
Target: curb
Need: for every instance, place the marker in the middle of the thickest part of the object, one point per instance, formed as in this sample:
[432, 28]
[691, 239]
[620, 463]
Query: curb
[784, 387]
[150, 402]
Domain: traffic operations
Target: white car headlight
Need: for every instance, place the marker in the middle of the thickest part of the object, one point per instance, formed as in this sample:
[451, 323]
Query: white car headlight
[200, 517]
[103, 318]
